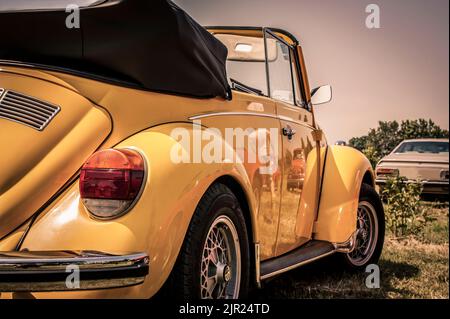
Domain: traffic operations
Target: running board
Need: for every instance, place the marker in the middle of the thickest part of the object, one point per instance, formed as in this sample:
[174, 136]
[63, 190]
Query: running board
[307, 253]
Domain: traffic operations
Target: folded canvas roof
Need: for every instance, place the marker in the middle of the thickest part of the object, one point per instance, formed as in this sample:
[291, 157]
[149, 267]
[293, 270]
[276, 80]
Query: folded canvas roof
[152, 45]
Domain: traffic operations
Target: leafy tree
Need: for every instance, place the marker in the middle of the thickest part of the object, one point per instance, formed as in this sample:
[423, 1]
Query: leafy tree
[358, 142]
[421, 129]
[381, 141]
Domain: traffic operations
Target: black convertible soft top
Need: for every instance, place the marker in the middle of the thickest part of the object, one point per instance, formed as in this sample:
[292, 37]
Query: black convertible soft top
[147, 44]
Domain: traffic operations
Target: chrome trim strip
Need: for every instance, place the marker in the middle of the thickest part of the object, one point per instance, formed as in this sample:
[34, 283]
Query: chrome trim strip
[201, 116]
[258, 265]
[280, 271]
[15, 261]
[346, 247]
[437, 183]
[232, 113]
[386, 163]
[291, 120]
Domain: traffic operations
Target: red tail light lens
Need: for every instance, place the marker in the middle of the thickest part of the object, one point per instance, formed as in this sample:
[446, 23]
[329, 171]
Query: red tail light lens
[111, 181]
[387, 171]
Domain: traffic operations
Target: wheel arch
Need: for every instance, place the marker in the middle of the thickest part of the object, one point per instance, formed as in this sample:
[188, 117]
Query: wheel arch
[243, 199]
[369, 178]
[250, 218]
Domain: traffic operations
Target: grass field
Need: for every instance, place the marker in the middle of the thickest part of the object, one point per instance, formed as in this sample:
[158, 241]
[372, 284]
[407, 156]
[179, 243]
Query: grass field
[413, 267]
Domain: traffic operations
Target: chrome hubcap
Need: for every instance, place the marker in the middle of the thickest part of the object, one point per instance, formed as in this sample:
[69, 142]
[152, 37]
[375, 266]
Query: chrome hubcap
[221, 261]
[223, 273]
[366, 240]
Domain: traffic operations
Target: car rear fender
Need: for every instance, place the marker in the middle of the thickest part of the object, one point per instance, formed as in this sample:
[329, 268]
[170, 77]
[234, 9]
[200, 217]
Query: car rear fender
[157, 223]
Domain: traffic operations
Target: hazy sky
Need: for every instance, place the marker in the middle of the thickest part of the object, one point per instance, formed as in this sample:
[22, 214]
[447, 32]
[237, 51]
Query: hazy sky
[397, 72]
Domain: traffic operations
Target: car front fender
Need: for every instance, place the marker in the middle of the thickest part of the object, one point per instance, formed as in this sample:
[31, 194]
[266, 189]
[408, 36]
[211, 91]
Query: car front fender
[345, 170]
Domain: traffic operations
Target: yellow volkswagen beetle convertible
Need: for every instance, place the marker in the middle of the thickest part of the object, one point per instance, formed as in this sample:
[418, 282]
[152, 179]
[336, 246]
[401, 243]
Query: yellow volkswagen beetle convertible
[142, 153]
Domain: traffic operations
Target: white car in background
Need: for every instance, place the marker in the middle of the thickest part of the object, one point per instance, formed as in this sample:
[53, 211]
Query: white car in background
[424, 160]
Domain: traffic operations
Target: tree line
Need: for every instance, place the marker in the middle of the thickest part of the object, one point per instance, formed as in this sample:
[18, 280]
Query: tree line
[382, 140]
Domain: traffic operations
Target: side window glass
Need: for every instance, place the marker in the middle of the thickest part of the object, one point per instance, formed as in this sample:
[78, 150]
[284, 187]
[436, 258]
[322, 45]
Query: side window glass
[264, 65]
[279, 69]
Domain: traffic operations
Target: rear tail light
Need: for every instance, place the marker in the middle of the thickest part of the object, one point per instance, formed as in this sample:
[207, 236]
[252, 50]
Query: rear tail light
[387, 172]
[111, 181]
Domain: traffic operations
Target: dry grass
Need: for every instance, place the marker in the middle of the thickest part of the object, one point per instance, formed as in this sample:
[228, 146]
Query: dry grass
[409, 268]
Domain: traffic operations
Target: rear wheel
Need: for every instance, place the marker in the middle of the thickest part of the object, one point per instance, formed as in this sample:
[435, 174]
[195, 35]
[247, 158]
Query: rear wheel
[221, 261]
[370, 226]
[214, 262]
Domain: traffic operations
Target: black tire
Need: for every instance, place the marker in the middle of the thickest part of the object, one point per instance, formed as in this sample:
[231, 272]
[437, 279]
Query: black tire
[217, 202]
[370, 196]
[380, 192]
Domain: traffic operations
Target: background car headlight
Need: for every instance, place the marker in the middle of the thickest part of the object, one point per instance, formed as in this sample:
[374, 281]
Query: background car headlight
[111, 181]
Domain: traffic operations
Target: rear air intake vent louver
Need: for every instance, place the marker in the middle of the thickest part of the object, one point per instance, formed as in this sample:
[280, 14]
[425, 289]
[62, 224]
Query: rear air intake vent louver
[26, 110]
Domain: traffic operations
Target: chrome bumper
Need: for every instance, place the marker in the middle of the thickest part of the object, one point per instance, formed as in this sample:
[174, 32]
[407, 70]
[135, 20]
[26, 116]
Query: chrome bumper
[425, 183]
[70, 270]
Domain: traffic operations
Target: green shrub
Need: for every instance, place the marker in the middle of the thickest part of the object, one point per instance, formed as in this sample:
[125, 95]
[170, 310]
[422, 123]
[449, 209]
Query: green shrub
[405, 214]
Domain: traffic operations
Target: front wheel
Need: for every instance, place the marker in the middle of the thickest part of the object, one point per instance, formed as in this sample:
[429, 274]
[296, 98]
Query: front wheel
[370, 226]
[214, 262]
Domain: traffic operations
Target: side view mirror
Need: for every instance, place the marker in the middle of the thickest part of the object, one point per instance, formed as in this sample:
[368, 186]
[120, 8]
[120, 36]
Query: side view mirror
[322, 94]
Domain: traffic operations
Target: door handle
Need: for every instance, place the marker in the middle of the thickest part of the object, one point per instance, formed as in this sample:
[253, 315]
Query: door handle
[289, 132]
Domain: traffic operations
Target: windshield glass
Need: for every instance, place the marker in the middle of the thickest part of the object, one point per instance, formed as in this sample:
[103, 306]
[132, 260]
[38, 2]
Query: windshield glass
[25, 5]
[423, 147]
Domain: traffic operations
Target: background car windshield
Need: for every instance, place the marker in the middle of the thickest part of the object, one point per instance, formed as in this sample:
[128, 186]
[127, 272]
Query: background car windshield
[423, 147]
[23, 5]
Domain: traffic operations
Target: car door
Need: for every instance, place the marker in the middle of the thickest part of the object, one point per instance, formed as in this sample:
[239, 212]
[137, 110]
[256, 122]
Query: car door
[296, 217]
